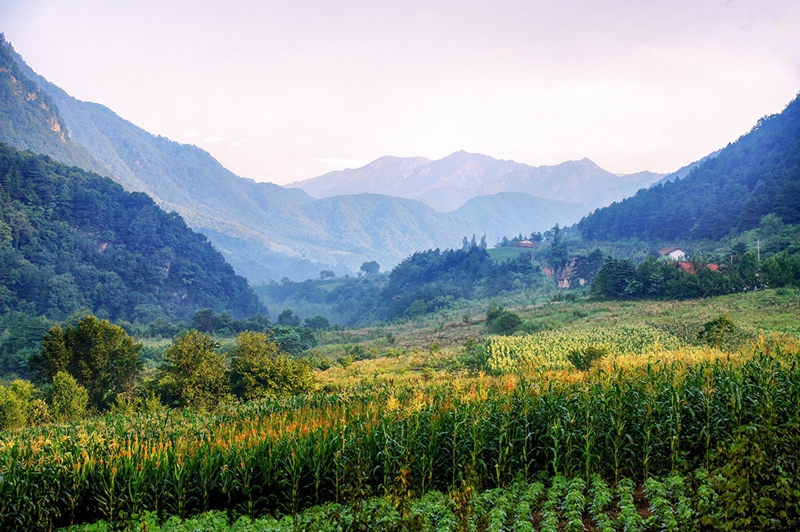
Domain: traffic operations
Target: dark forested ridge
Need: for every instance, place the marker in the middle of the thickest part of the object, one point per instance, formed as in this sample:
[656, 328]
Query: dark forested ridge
[72, 240]
[757, 175]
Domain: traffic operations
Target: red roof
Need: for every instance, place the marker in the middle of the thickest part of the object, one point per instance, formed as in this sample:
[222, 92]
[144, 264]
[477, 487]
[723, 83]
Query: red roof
[686, 266]
[713, 267]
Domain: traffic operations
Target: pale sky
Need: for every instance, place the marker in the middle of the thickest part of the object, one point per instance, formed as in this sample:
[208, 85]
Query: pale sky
[285, 90]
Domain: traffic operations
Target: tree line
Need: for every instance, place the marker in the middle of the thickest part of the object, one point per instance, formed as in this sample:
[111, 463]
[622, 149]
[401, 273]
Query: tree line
[94, 367]
[663, 279]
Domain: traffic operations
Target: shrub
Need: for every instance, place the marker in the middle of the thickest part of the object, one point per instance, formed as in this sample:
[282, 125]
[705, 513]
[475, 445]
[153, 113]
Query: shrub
[583, 359]
[67, 398]
[718, 331]
[260, 369]
[502, 321]
[15, 404]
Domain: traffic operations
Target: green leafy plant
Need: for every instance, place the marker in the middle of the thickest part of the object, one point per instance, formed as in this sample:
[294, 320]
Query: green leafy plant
[583, 359]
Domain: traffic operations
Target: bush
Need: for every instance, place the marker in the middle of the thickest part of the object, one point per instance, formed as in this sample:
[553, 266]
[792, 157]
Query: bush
[15, 404]
[259, 369]
[583, 359]
[504, 322]
[67, 398]
[718, 331]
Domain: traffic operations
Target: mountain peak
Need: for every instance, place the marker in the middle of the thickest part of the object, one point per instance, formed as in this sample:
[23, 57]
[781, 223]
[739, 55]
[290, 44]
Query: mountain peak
[447, 183]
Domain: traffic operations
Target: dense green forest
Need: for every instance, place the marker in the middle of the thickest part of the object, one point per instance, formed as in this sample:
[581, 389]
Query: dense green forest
[71, 240]
[757, 175]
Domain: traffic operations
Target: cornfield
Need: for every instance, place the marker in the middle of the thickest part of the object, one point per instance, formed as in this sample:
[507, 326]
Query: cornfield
[549, 349]
[285, 455]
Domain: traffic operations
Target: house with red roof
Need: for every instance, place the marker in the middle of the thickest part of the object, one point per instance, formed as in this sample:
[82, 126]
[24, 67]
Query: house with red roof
[673, 253]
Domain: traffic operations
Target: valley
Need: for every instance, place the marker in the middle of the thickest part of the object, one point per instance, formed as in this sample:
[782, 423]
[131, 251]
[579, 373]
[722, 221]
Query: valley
[460, 344]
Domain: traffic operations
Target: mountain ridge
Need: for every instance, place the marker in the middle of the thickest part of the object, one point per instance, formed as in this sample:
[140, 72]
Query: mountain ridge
[755, 176]
[446, 184]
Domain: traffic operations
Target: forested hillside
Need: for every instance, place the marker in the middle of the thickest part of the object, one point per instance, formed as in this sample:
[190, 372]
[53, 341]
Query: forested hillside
[72, 240]
[757, 175]
[30, 120]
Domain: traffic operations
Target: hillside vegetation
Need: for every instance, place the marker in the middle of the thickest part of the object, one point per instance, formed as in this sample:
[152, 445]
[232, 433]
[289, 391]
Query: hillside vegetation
[757, 175]
[30, 120]
[71, 240]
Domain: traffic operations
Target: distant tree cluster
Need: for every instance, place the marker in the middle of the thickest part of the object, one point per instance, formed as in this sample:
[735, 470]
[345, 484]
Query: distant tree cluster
[95, 367]
[433, 279]
[621, 278]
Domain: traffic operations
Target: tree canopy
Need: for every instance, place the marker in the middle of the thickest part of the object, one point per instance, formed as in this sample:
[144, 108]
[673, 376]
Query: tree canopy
[101, 357]
[72, 240]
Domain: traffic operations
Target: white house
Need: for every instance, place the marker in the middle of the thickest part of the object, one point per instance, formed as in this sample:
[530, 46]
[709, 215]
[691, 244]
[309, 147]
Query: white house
[673, 253]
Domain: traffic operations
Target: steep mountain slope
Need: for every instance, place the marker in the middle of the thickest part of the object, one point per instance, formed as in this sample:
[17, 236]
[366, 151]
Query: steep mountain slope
[757, 175]
[264, 230]
[448, 183]
[684, 171]
[72, 240]
[29, 119]
[510, 213]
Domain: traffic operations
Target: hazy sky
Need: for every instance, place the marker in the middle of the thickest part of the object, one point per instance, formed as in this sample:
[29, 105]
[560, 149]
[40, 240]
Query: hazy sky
[285, 90]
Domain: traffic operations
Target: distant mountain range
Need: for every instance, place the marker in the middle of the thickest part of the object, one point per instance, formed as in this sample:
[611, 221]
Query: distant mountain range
[266, 231]
[728, 192]
[449, 183]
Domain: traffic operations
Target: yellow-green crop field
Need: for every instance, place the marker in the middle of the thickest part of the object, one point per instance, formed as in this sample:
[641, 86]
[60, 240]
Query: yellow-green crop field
[549, 349]
[540, 447]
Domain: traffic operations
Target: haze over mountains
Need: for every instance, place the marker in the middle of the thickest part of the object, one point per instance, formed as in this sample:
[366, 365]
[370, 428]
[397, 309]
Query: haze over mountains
[266, 231]
[450, 182]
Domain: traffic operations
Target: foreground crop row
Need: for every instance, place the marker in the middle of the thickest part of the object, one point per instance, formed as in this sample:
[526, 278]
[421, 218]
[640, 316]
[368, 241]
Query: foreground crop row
[678, 502]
